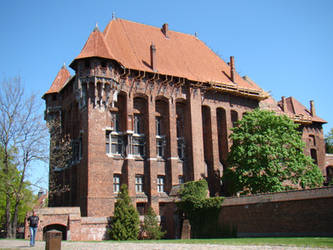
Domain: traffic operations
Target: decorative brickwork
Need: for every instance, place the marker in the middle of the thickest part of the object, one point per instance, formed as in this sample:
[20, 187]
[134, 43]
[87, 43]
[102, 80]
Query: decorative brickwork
[150, 116]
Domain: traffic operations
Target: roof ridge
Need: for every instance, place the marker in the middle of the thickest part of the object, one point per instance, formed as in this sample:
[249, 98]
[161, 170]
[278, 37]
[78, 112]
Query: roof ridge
[153, 26]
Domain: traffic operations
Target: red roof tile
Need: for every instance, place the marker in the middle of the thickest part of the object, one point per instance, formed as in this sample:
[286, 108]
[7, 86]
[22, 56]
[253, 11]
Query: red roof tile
[294, 109]
[95, 46]
[177, 54]
[297, 108]
[60, 80]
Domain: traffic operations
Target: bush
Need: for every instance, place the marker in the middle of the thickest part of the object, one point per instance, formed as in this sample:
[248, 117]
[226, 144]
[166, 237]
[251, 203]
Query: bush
[125, 222]
[202, 212]
[151, 226]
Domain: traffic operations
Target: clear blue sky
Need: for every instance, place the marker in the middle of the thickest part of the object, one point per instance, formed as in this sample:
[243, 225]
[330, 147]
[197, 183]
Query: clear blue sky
[285, 46]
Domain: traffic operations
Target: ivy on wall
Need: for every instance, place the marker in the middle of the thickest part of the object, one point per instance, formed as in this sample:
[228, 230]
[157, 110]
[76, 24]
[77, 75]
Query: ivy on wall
[202, 212]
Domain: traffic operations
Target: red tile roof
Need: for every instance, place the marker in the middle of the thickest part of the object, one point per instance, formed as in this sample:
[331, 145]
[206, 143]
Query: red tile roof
[95, 46]
[177, 54]
[294, 109]
[60, 80]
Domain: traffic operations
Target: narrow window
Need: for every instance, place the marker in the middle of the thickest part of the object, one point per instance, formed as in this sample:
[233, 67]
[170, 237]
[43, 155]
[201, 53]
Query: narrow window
[138, 126]
[160, 139]
[115, 121]
[117, 144]
[107, 141]
[180, 140]
[139, 183]
[116, 183]
[180, 179]
[312, 140]
[138, 142]
[76, 150]
[158, 125]
[160, 184]
[313, 153]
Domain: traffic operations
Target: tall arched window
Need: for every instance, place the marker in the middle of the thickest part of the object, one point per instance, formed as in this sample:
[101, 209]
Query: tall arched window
[180, 112]
[139, 140]
[161, 127]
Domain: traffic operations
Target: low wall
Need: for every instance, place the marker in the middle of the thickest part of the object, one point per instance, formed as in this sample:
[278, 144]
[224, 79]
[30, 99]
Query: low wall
[69, 221]
[293, 213]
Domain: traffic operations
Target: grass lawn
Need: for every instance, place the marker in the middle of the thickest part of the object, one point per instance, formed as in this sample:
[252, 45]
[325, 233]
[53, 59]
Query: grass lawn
[326, 242]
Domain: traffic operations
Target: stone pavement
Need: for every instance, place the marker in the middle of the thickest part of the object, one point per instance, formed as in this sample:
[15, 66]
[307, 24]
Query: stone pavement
[24, 244]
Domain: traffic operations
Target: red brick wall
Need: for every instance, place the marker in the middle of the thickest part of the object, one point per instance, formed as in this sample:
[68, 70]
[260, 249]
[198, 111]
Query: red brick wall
[295, 213]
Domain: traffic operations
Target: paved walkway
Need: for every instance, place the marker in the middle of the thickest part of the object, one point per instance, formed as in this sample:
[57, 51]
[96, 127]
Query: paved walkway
[24, 244]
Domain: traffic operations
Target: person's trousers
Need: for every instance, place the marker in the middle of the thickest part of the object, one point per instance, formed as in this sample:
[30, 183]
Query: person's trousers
[32, 235]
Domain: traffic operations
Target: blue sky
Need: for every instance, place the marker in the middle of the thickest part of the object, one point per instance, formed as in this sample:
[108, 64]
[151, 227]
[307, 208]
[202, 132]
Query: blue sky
[285, 46]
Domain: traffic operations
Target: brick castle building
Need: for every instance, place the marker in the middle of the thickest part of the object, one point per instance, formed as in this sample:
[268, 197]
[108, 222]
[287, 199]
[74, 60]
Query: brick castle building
[152, 108]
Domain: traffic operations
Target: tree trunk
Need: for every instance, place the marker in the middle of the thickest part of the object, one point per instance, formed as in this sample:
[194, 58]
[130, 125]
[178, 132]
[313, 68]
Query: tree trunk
[8, 217]
[14, 224]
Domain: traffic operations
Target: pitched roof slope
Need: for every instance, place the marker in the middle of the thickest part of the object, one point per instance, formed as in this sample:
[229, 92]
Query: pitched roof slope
[60, 80]
[95, 47]
[295, 107]
[177, 54]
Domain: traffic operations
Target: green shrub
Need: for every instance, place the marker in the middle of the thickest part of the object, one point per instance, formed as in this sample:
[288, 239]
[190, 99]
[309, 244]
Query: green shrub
[202, 212]
[125, 222]
[151, 226]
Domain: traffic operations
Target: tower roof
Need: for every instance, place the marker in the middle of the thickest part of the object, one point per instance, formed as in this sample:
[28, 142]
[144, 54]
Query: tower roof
[177, 54]
[95, 47]
[60, 80]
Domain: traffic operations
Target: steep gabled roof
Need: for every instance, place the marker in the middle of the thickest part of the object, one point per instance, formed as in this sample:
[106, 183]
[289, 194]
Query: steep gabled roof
[293, 109]
[177, 54]
[296, 108]
[60, 80]
[95, 47]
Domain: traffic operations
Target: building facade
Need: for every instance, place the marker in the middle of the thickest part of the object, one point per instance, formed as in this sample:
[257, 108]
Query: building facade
[151, 108]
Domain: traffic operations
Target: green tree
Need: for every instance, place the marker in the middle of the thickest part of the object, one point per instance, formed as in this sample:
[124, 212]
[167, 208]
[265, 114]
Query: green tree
[28, 198]
[151, 226]
[23, 139]
[200, 210]
[329, 142]
[125, 222]
[267, 156]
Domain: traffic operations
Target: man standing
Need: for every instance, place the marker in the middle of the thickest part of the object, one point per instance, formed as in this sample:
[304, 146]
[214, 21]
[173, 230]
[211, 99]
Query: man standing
[33, 225]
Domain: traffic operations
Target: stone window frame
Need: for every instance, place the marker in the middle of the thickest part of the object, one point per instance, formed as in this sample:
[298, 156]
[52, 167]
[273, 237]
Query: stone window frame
[160, 138]
[180, 139]
[138, 137]
[160, 183]
[139, 183]
[114, 140]
[116, 183]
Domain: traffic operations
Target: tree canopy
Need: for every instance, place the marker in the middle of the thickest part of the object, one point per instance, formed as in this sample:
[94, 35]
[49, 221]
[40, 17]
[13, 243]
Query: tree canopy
[151, 226]
[267, 155]
[329, 142]
[125, 222]
[23, 141]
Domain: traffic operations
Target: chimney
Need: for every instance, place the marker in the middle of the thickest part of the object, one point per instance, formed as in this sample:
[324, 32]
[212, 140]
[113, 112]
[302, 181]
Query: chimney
[153, 57]
[232, 69]
[312, 108]
[284, 104]
[165, 29]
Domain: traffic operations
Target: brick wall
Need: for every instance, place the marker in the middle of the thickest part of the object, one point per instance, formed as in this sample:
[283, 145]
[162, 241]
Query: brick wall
[294, 213]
